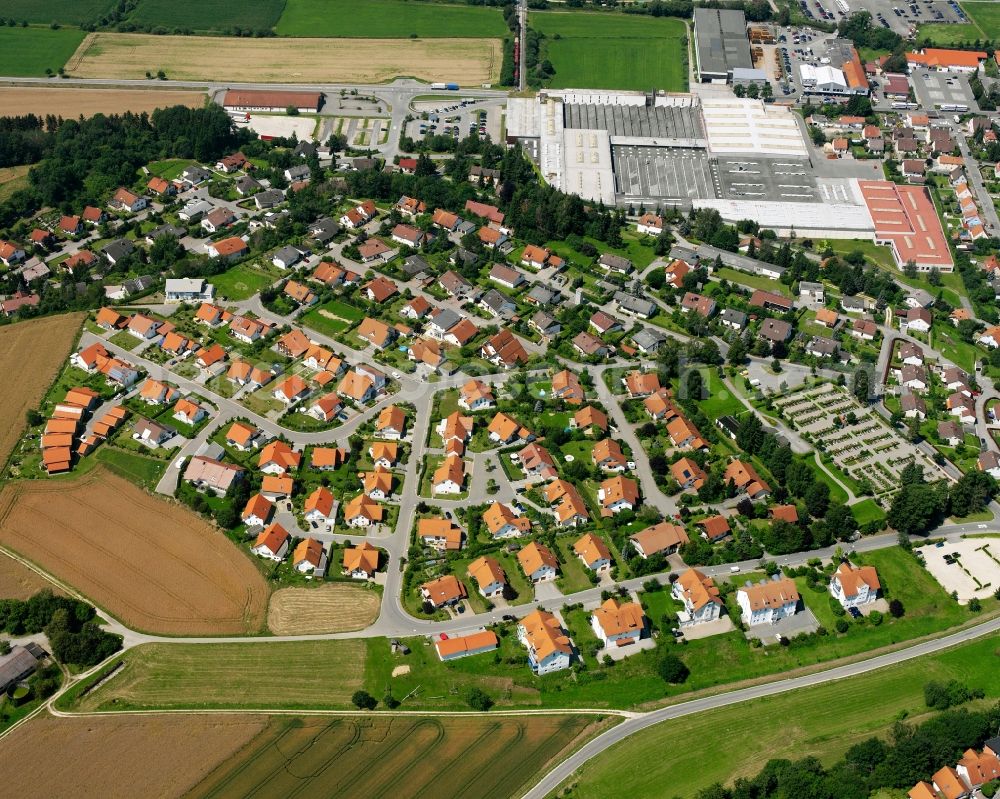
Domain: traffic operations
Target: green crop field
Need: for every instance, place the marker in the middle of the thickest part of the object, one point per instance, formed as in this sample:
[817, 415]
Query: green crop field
[319, 674]
[822, 722]
[389, 19]
[65, 12]
[986, 16]
[28, 52]
[371, 756]
[604, 51]
[208, 15]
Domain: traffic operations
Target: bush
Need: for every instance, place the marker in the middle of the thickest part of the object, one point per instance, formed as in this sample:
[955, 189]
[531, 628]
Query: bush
[837, 608]
[478, 699]
[363, 700]
[842, 626]
[672, 669]
[941, 696]
[875, 617]
[975, 606]
[896, 609]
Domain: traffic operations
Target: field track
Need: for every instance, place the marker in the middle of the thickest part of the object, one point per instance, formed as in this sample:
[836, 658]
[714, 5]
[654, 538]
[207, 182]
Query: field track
[131, 55]
[154, 565]
[44, 344]
[332, 608]
[71, 103]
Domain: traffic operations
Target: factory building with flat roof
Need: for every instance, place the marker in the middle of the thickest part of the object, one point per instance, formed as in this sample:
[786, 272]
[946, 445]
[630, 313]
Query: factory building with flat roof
[721, 43]
[742, 157]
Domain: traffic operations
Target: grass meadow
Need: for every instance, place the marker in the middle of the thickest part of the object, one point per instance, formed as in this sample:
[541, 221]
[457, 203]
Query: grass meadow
[65, 12]
[794, 725]
[28, 52]
[601, 51]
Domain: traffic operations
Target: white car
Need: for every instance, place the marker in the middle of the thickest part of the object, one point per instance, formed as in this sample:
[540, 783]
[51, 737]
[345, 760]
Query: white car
[395, 375]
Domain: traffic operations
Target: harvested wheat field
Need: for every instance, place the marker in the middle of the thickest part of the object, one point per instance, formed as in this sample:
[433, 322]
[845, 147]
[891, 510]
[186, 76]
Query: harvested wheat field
[72, 103]
[490, 758]
[332, 608]
[130, 55]
[119, 757]
[154, 565]
[45, 344]
[17, 581]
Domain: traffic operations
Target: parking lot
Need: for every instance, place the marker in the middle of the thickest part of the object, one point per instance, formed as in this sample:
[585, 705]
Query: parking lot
[456, 117]
[797, 46]
[660, 173]
[975, 572]
[945, 91]
[905, 17]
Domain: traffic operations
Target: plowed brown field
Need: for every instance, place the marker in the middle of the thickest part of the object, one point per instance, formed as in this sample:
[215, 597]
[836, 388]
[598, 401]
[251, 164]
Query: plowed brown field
[71, 103]
[333, 608]
[44, 344]
[154, 565]
[120, 757]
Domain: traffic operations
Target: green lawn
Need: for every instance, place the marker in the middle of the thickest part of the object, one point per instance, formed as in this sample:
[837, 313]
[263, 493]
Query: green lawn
[793, 725]
[721, 401]
[125, 340]
[240, 282]
[573, 575]
[753, 281]
[344, 311]
[867, 511]
[323, 324]
[389, 19]
[139, 469]
[634, 248]
[170, 168]
[947, 341]
[944, 34]
[66, 12]
[218, 16]
[28, 52]
[604, 51]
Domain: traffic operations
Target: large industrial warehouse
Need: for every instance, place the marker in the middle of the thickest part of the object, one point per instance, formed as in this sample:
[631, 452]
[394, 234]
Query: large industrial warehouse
[745, 158]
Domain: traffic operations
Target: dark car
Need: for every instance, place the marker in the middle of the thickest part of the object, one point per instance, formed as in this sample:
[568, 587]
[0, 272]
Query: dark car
[855, 613]
[509, 617]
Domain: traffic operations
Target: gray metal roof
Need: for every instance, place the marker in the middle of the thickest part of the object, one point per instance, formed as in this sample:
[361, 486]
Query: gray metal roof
[16, 665]
[721, 39]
